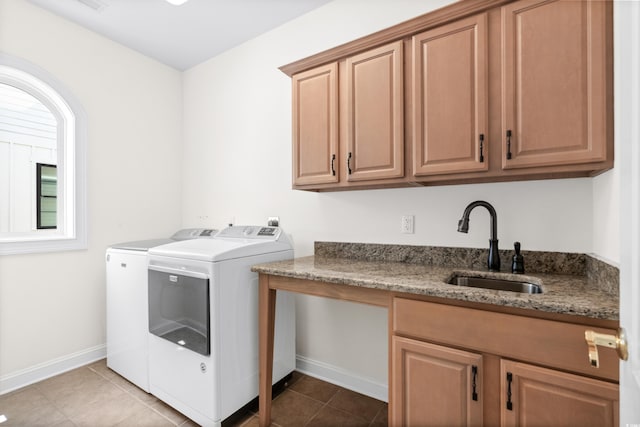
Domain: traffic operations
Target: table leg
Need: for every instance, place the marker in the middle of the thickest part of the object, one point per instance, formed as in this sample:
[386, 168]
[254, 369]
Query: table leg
[266, 317]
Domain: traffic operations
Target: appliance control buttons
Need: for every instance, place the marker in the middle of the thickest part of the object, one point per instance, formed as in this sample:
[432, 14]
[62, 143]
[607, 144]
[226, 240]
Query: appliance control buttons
[267, 231]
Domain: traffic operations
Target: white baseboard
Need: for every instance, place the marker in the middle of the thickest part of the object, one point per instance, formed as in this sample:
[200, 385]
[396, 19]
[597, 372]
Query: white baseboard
[342, 378]
[51, 368]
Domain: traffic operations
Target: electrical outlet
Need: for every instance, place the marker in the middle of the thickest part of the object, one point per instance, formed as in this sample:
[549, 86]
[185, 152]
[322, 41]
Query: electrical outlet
[406, 224]
[273, 221]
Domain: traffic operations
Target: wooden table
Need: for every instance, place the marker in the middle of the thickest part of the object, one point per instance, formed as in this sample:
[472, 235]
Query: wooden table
[267, 315]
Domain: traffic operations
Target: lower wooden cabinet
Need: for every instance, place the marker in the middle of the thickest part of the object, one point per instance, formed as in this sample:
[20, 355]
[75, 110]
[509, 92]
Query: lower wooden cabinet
[435, 385]
[459, 366]
[532, 396]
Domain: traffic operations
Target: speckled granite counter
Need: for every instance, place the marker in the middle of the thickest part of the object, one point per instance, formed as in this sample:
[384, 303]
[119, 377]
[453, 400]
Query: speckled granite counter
[573, 284]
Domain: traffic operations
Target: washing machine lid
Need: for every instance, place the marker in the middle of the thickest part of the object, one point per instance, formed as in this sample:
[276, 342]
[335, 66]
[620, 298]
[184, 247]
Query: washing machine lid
[230, 243]
[184, 234]
[141, 245]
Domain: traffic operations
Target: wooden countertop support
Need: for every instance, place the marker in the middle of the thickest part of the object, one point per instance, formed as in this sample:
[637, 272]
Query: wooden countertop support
[267, 313]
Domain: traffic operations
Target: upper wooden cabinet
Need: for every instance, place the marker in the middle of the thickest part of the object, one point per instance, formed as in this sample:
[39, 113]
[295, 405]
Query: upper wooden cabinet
[348, 120]
[315, 126]
[449, 75]
[493, 90]
[375, 114]
[554, 83]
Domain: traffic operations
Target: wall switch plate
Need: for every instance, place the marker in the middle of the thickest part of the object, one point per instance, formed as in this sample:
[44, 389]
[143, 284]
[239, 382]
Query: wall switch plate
[406, 224]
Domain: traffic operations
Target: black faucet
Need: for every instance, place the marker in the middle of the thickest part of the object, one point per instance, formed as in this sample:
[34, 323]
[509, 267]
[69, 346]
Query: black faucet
[493, 262]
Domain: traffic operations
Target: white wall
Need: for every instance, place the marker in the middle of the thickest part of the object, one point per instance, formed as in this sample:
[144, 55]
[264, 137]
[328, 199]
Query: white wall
[52, 306]
[237, 167]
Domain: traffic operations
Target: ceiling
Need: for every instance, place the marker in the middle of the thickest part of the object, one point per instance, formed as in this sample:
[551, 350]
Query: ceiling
[180, 36]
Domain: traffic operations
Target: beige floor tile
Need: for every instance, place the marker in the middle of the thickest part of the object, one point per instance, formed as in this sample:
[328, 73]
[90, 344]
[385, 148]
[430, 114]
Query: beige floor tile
[254, 421]
[241, 418]
[95, 396]
[140, 394]
[315, 389]
[331, 417]
[295, 376]
[64, 384]
[292, 409]
[189, 423]
[382, 419]
[105, 372]
[132, 389]
[29, 407]
[109, 411]
[64, 423]
[356, 404]
[74, 401]
[145, 417]
[99, 365]
[167, 411]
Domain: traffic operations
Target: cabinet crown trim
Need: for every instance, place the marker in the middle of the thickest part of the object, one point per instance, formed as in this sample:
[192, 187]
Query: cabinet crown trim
[446, 14]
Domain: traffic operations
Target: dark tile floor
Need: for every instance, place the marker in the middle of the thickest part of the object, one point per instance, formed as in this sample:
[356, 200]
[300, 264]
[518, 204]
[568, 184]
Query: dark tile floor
[95, 396]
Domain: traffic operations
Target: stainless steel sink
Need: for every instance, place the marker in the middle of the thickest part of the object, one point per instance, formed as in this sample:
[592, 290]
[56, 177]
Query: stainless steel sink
[495, 283]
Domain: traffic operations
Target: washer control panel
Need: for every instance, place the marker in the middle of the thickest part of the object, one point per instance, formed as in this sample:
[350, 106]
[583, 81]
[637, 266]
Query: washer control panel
[250, 232]
[194, 233]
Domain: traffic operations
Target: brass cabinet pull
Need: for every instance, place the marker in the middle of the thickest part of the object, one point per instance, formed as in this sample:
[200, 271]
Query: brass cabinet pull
[618, 341]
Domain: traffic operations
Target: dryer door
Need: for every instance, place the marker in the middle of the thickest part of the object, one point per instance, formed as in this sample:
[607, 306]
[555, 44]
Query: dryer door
[179, 307]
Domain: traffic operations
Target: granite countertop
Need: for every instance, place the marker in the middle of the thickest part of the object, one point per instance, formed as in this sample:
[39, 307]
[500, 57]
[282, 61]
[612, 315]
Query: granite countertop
[580, 293]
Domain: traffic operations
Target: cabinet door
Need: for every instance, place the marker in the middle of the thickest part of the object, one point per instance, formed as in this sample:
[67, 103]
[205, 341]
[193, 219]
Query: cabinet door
[554, 76]
[450, 98]
[432, 385]
[315, 126]
[534, 396]
[375, 114]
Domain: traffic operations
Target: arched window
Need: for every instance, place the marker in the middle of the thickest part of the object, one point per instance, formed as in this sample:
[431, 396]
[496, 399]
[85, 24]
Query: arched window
[42, 162]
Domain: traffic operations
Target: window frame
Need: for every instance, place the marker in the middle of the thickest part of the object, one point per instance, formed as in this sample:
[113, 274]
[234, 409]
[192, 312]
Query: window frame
[71, 230]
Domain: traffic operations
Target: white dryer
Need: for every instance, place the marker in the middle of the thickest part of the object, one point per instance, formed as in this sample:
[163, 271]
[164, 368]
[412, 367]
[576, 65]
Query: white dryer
[203, 321]
[127, 314]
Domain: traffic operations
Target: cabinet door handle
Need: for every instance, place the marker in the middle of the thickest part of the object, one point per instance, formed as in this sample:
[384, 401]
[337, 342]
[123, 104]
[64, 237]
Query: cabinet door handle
[509, 144]
[618, 341]
[333, 169]
[509, 381]
[349, 163]
[474, 373]
[481, 148]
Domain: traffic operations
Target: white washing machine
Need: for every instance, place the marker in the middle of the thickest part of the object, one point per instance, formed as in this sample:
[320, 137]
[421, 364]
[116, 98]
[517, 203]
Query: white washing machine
[127, 305]
[203, 321]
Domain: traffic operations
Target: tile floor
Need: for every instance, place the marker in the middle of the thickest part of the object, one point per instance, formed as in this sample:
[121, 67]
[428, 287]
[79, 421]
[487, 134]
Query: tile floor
[95, 396]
